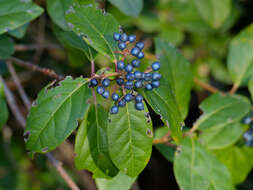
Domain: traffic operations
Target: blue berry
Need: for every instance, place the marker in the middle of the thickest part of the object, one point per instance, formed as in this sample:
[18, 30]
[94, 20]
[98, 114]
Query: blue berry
[140, 55]
[115, 97]
[131, 38]
[129, 85]
[122, 45]
[130, 76]
[128, 97]
[116, 36]
[120, 81]
[140, 45]
[246, 120]
[93, 82]
[138, 84]
[138, 98]
[120, 65]
[156, 76]
[136, 63]
[100, 89]
[155, 84]
[139, 106]
[137, 75]
[128, 68]
[135, 51]
[114, 109]
[106, 82]
[106, 94]
[123, 37]
[148, 87]
[122, 103]
[148, 76]
[156, 66]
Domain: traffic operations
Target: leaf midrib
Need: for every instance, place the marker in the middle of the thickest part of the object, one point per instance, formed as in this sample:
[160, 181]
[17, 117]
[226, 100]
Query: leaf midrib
[130, 138]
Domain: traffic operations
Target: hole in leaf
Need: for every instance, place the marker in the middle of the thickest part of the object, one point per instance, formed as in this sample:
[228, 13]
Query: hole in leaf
[26, 135]
[44, 149]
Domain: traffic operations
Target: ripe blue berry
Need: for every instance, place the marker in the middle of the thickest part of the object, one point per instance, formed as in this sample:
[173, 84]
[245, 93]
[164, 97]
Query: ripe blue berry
[131, 38]
[246, 120]
[122, 45]
[106, 94]
[138, 98]
[115, 97]
[114, 109]
[136, 63]
[128, 68]
[156, 76]
[100, 89]
[138, 84]
[128, 97]
[138, 75]
[156, 66]
[139, 106]
[135, 51]
[106, 82]
[120, 65]
[93, 82]
[129, 85]
[140, 45]
[123, 37]
[148, 76]
[122, 103]
[155, 84]
[130, 76]
[116, 36]
[120, 81]
[140, 55]
[148, 87]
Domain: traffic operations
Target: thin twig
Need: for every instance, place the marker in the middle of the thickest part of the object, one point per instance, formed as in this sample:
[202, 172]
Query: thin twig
[33, 67]
[18, 85]
[162, 140]
[204, 85]
[234, 89]
[20, 118]
[32, 47]
[92, 68]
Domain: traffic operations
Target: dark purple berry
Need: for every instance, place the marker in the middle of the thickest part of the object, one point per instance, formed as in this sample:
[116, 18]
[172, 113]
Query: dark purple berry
[131, 38]
[100, 90]
[122, 103]
[136, 63]
[115, 97]
[135, 51]
[114, 109]
[93, 82]
[156, 76]
[128, 68]
[148, 76]
[124, 37]
[122, 45]
[140, 45]
[138, 84]
[116, 36]
[106, 94]
[156, 66]
[148, 87]
[120, 65]
[139, 106]
[138, 75]
[128, 97]
[106, 82]
[140, 55]
[138, 98]
[120, 81]
[130, 76]
[129, 85]
[155, 84]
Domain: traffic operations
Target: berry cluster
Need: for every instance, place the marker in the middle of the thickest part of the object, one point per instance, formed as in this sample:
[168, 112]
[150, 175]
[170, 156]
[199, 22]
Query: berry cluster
[129, 78]
[248, 135]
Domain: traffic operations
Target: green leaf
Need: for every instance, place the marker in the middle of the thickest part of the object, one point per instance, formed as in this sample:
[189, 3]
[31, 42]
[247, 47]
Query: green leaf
[238, 160]
[95, 27]
[57, 10]
[129, 7]
[83, 159]
[4, 114]
[197, 169]
[221, 110]
[130, 139]
[251, 88]
[6, 47]
[214, 12]
[16, 13]
[55, 115]
[19, 32]
[176, 69]
[97, 120]
[240, 57]
[221, 135]
[73, 41]
[121, 181]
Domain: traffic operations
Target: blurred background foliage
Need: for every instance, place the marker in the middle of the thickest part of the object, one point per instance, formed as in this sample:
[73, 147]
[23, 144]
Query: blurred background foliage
[201, 36]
